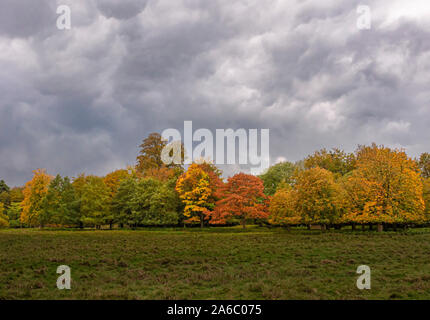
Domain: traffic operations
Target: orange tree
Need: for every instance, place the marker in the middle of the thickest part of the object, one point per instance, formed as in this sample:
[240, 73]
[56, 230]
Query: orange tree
[194, 189]
[386, 187]
[242, 197]
[318, 197]
[34, 193]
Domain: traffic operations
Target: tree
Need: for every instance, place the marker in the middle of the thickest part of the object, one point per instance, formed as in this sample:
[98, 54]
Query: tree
[60, 205]
[4, 219]
[122, 205]
[16, 194]
[194, 190]
[79, 184]
[14, 214]
[335, 160]
[424, 164]
[243, 198]
[4, 187]
[150, 154]
[4, 194]
[426, 196]
[114, 179]
[51, 203]
[95, 196]
[276, 174]
[386, 187]
[318, 196]
[153, 203]
[34, 192]
[283, 207]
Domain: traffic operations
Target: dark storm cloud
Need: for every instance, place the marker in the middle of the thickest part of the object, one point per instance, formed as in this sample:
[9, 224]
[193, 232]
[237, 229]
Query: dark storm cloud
[82, 99]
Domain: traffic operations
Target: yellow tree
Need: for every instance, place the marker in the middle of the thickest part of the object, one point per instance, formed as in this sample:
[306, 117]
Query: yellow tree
[386, 187]
[194, 190]
[283, 207]
[318, 197]
[34, 192]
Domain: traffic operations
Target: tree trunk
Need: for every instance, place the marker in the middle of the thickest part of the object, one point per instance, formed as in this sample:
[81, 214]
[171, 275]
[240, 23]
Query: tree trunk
[380, 227]
[201, 222]
[370, 227]
[353, 227]
[323, 227]
[363, 227]
[243, 223]
[309, 227]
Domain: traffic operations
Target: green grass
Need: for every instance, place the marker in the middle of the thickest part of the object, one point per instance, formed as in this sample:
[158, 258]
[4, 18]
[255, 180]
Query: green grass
[217, 263]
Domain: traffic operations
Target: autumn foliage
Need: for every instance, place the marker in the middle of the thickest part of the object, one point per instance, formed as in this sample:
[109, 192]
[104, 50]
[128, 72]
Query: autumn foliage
[242, 197]
[373, 185]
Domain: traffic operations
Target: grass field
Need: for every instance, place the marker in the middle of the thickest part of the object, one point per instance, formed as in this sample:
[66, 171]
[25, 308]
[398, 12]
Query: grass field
[217, 263]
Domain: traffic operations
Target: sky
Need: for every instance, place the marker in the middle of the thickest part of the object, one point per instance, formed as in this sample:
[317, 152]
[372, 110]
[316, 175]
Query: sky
[82, 100]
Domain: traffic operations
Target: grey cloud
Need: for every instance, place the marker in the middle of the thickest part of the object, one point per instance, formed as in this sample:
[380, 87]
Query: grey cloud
[82, 100]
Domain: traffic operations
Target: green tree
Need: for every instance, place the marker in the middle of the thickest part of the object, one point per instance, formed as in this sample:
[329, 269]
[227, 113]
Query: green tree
[93, 202]
[14, 214]
[154, 203]
[60, 205]
[4, 219]
[4, 194]
[276, 174]
[335, 160]
[122, 206]
[424, 164]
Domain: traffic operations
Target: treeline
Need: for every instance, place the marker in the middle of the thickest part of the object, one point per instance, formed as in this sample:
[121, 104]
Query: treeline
[374, 185]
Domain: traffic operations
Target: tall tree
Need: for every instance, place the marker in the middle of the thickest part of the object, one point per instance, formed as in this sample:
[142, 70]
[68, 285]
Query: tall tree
[243, 198]
[150, 154]
[34, 192]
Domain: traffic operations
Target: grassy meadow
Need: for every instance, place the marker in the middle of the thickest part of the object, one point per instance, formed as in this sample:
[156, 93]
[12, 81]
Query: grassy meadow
[215, 263]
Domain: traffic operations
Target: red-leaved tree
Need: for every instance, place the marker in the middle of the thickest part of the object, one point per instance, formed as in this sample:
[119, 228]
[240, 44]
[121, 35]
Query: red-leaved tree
[242, 197]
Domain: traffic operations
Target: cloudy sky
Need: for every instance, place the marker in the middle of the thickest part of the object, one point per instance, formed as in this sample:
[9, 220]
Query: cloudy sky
[81, 100]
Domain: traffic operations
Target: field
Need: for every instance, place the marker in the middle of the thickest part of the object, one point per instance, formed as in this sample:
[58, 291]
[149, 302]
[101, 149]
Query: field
[217, 263]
